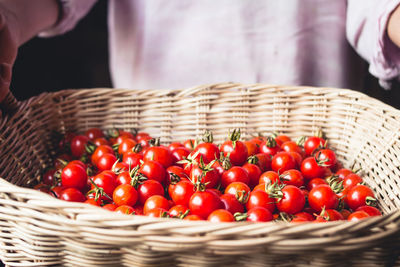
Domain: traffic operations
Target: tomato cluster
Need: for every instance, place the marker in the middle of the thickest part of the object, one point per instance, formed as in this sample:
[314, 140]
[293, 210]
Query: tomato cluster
[258, 180]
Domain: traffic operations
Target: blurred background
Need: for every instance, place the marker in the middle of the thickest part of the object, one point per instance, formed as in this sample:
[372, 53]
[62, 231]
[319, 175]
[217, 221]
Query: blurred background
[79, 59]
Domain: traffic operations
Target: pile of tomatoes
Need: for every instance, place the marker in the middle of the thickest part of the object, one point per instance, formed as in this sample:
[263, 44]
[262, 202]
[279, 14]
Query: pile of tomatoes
[262, 179]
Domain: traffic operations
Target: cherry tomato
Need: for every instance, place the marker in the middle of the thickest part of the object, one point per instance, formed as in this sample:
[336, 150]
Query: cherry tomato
[78, 144]
[149, 188]
[125, 194]
[329, 215]
[94, 133]
[182, 192]
[99, 152]
[372, 211]
[178, 211]
[342, 173]
[193, 217]
[270, 147]
[327, 156]
[239, 190]
[210, 178]
[254, 173]
[231, 203]
[322, 196]
[155, 201]
[357, 215]
[125, 209]
[101, 141]
[283, 161]
[220, 215]
[269, 177]
[158, 213]
[259, 198]
[126, 145]
[291, 146]
[107, 182]
[264, 161]
[93, 202]
[236, 149]
[110, 207]
[234, 174]
[252, 148]
[315, 182]
[358, 196]
[259, 214]
[74, 175]
[304, 215]
[73, 195]
[202, 203]
[48, 177]
[352, 180]
[153, 170]
[180, 153]
[132, 159]
[209, 151]
[311, 169]
[292, 177]
[189, 144]
[106, 162]
[293, 200]
[160, 154]
[312, 143]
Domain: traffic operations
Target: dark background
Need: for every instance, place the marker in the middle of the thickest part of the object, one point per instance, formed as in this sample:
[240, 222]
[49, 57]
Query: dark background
[79, 59]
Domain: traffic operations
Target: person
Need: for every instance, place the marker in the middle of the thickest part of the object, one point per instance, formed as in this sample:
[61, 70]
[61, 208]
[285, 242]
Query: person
[158, 44]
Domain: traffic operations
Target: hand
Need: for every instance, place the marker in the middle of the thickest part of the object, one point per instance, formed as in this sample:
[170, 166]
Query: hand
[9, 34]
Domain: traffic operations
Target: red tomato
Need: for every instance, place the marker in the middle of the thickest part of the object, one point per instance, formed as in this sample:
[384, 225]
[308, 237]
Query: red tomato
[269, 177]
[231, 203]
[210, 177]
[153, 170]
[359, 195]
[342, 173]
[293, 200]
[182, 192]
[155, 201]
[259, 214]
[283, 161]
[57, 191]
[141, 135]
[322, 196]
[254, 173]
[234, 149]
[311, 169]
[315, 182]
[234, 174]
[149, 188]
[352, 180]
[160, 154]
[208, 151]
[329, 215]
[372, 211]
[291, 146]
[312, 143]
[179, 211]
[126, 145]
[259, 198]
[281, 139]
[93, 202]
[158, 213]
[327, 157]
[357, 215]
[189, 144]
[180, 153]
[252, 148]
[270, 147]
[175, 145]
[94, 133]
[110, 207]
[48, 177]
[292, 177]
[100, 151]
[202, 203]
[107, 182]
[74, 175]
[220, 215]
[125, 209]
[78, 144]
[193, 217]
[73, 195]
[304, 215]
[106, 162]
[125, 194]
[264, 161]
[101, 141]
[239, 190]
[132, 159]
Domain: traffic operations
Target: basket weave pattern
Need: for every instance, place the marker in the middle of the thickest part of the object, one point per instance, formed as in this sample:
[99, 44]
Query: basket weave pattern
[39, 230]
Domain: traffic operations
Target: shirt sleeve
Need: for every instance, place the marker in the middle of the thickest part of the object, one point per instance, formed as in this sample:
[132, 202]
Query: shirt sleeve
[71, 12]
[366, 31]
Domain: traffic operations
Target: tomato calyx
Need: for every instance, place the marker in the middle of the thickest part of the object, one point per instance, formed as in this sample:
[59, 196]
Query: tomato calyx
[137, 178]
[319, 133]
[90, 147]
[174, 178]
[274, 190]
[370, 201]
[323, 215]
[284, 217]
[301, 140]
[137, 148]
[234, 136]
[321, 162]
[112, 133]
[98, 191]
[225, 161]
[154, 142]
[242, 196]
[253, 160]
[208, 137]
[335, 183]
[180, 215]
[270, 142]
[189, 160]
[239, 217]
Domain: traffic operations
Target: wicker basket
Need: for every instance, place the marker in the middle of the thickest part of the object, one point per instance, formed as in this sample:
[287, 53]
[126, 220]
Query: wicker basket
[38, 230]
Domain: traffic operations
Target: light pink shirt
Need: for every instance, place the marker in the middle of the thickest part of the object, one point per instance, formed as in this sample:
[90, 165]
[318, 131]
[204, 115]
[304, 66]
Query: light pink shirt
[177, 44]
